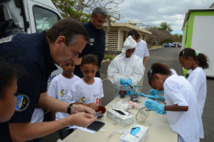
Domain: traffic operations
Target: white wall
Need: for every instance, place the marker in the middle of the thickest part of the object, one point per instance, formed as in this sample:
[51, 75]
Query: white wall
[203, 39]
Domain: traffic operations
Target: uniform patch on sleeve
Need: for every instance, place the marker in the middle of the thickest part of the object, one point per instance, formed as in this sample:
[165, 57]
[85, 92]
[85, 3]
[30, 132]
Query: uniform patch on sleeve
[22, 102]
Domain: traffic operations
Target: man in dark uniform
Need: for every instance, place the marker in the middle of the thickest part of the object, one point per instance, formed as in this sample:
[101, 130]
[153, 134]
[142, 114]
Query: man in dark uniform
[96, 44]
[36, 55]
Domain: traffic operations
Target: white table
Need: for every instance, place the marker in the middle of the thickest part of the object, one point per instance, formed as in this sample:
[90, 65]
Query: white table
[159, 130]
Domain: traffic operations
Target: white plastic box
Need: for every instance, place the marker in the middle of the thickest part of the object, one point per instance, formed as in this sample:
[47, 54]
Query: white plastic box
[139, 137]
[123, 119]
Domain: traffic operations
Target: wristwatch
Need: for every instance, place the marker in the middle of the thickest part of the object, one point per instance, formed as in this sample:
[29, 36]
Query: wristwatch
[69, 109]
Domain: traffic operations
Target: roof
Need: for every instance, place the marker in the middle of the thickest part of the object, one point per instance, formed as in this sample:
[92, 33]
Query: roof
[194, 10]
[128, 27]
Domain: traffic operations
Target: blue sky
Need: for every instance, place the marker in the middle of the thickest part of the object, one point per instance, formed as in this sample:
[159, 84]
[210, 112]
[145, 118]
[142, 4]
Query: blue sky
[153, 12]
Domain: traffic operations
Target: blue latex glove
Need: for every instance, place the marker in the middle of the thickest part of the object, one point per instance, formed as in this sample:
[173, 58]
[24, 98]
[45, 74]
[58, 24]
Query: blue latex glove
[125, 82]
[155, 106]
[129, 92]
[141, 94]
[134, 131]
[155, 92]
[156, 97]
[129, 81]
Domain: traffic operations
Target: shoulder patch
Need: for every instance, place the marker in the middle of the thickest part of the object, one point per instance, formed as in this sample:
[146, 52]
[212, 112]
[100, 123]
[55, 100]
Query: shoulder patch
[22, 102]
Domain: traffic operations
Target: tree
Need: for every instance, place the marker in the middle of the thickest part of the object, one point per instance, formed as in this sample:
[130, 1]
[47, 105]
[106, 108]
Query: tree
[177, 38]
[81, 9]
[158, 36]
[165, 26]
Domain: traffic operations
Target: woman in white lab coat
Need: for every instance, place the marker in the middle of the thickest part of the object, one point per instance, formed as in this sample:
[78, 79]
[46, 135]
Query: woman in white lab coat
[126, 66]
[196, 62]
[180, 103]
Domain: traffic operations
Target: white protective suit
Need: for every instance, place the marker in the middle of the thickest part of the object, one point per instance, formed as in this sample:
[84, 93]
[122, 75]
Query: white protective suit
[117, 69]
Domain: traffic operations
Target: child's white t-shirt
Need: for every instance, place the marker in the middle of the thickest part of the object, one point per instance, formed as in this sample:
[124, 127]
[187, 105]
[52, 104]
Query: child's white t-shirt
[141, 49]
[197, 79]
[59, 88]
[85, 93]
[188, 124]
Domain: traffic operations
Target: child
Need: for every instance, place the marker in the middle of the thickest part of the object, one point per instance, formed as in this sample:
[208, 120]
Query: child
[196, 62]
[181, 103]
[89, 89]
[126, 68]
[60, 87]
[8, 88]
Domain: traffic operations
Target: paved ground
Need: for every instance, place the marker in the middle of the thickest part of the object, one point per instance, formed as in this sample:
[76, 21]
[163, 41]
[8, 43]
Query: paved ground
[168, 56]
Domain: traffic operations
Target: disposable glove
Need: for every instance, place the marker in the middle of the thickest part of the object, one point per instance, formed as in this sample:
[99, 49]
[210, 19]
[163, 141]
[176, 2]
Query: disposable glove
[155, 106]
[156, 97]
[125, 82]
[129, 81]
[129, 92]
[155, 92]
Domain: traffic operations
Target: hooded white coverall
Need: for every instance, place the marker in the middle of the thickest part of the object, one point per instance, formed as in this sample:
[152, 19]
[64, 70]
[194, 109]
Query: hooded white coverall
[118, 69]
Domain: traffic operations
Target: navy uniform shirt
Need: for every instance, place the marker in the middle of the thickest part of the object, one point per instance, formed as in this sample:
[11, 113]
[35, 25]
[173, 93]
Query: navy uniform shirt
[31, 55]
[95, 46]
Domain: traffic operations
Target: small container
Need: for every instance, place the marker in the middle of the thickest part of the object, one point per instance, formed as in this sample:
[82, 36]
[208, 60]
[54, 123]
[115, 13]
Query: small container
[122, 92]
[134, 96]
[142, 114]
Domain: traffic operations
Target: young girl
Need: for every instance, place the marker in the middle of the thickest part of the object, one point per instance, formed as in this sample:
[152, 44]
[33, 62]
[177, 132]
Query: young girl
[89, 89]
[196, 62]
[181, 103]
[8, 88]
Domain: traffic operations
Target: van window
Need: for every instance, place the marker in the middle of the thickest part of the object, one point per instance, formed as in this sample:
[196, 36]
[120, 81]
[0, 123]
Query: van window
[44, 18]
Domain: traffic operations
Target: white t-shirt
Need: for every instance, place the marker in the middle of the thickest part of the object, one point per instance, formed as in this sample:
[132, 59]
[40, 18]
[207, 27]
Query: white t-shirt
[38, 115]
[188, 124]
[173, 71]
[141, 49]
[197, 79]
[59, 88]
[85, 93]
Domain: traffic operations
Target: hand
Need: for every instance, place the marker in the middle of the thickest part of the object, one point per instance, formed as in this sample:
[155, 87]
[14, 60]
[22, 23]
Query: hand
[125, 82]
[81, 108]
[155, 106]
[129, 92]
[156, 97]
[93, 106]
[155, 92]
[81, 119]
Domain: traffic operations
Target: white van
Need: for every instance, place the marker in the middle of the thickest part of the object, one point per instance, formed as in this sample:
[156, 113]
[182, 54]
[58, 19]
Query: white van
[27, 16]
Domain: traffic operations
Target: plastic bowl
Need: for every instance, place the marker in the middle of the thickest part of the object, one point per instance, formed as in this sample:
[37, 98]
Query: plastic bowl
[102, 109]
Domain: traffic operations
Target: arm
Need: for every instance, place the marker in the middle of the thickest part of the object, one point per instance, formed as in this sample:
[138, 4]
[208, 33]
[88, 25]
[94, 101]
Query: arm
[28, 131]
[176, 108]
[52, 104]
[113, 73]
[144, 61]
[55, 105]
[91, 105]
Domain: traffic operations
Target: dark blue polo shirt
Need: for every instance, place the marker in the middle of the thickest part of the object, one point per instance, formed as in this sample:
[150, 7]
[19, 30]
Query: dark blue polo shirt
[96, 46]
[31, 55]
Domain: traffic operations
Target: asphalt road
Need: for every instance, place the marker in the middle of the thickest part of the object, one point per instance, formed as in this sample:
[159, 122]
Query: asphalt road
[168, 56]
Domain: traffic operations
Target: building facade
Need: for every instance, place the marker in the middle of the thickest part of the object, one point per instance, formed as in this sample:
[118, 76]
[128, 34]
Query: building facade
[116, 33]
